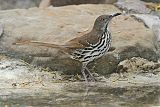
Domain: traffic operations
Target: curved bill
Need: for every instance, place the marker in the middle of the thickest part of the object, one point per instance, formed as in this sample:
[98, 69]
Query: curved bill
[116, 14]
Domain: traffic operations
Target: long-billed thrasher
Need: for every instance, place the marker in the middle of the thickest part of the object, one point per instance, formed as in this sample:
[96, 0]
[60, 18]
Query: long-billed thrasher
[87, 47]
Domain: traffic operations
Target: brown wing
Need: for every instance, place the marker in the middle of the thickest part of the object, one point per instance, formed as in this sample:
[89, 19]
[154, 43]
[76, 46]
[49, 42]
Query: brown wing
[84, 40]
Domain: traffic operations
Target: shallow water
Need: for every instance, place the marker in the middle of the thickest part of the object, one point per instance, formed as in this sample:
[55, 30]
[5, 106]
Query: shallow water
[145, 96]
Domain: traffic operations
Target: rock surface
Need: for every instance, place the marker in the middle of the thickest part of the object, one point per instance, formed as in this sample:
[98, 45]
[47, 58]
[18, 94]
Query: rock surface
[60, 24]
[14, 4]
[133, 6]
[149, 20]
[76, 2]
[156, 30]
[153, 23]
[25, 85]
[138, 65]
[25, 4]
[17, 73]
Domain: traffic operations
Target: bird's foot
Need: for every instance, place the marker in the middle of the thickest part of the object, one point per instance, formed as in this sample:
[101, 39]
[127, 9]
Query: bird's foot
[91, 78]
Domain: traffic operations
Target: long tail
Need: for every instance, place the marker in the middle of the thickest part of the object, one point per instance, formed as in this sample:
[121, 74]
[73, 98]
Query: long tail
[50, 45]
[38, 43]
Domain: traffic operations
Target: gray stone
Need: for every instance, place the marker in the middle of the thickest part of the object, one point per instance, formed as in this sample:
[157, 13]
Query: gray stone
[14, 4]
[133, 6]
[153, 23]
[61, 24]
[156, 13]
[76, 2]
[147, 19]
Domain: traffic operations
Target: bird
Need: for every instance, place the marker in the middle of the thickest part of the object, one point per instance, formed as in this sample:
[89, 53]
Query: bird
[85, 48]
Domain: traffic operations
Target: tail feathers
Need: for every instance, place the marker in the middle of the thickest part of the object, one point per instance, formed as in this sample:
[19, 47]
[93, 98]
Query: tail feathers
[37, 43]
[45, 44]
[50, 45]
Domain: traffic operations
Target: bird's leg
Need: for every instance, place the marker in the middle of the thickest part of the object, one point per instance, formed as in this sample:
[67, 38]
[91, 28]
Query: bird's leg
[83, 73]
[92, 77]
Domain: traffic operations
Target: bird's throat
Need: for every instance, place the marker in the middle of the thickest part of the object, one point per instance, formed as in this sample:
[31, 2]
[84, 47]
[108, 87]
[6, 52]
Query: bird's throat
[105, 27]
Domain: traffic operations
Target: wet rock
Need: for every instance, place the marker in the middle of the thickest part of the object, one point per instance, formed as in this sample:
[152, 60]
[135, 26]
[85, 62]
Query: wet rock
[61, 24]
[133, 6]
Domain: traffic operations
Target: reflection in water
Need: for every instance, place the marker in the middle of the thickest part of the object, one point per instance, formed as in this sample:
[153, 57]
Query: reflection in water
[144, 96]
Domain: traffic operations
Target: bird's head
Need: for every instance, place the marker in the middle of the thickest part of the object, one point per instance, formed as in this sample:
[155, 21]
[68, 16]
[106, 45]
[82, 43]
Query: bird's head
[102, 21]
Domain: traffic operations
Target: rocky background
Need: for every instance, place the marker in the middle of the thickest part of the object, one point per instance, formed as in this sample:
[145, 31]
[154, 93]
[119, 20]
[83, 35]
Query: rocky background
[127, 76]
[14, 4]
